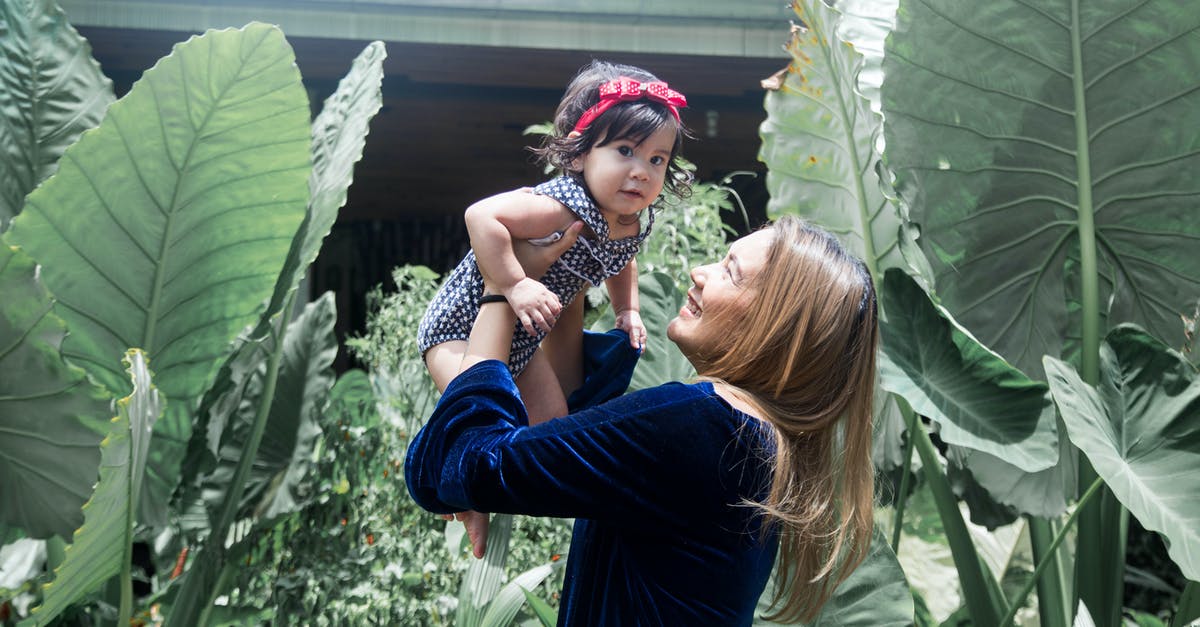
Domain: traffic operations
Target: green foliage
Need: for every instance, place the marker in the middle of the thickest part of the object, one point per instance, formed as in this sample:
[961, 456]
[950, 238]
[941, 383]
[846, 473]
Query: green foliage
[165, 227]
[52, 416]
[1033, 219]
[875, 594]
[359, 552]
[51, 90]
[1139, 427]
[405, 397]
[691, 231]
[391, 333]
[180, 225]
[979, 401]
[1046, 183]
[102, 545]
[819, 142]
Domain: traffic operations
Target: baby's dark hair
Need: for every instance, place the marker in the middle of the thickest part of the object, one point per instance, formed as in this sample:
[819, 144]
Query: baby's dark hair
[634, 119]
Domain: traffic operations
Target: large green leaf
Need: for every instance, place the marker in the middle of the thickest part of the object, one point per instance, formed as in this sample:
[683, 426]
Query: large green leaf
[503, 609]
[101, 545]
[1048, 151]
[818, 141]
[51, 417]
[51, 90]
[1044, 493]
[339, 133]
[1140, 428]
[865, 25]
[167, 226]
[301, 392]
[484, 577]
[875, 594]
[979, 401]
[661, 362]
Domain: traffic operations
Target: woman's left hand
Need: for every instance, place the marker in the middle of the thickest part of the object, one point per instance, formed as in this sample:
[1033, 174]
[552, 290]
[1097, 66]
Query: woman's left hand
[536, 260]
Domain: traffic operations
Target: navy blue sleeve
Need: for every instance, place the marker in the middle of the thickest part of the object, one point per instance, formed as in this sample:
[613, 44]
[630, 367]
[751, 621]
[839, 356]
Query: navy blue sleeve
[663, 454]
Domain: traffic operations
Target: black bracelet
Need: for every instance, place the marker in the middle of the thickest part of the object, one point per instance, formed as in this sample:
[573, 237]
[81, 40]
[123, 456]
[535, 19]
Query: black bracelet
[492, 298]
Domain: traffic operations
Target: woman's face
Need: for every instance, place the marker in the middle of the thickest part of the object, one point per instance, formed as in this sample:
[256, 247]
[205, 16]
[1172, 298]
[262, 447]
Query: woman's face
[718, 287]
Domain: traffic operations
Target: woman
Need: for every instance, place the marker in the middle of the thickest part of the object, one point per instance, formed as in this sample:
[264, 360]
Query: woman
[683, 494]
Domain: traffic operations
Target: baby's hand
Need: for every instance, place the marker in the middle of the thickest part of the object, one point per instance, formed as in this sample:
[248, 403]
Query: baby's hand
[534, 305]
[630, 321]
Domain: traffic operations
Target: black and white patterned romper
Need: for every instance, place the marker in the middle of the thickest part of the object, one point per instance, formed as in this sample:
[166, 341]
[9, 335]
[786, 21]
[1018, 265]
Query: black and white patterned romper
[452, 311]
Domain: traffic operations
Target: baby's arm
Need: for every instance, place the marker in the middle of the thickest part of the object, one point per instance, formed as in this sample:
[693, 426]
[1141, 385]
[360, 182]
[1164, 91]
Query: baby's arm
[623, 291]
[493, 223]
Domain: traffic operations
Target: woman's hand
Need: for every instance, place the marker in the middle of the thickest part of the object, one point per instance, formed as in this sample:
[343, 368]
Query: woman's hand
[536, 260]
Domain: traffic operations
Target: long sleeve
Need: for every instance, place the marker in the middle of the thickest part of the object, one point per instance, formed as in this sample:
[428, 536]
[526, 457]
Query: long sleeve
[648, 456]
[657, 481]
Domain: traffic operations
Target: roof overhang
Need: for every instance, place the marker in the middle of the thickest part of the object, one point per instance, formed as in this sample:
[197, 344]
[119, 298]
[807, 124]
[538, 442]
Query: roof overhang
[689, 27]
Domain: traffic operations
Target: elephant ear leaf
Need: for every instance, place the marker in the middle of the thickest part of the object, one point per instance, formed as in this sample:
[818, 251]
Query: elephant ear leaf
[51, 417]
[1040, 150]
[101, 546]
[338, 135]
[818, 141]
[301, 394]
[979, 401]
[167, 226]
[875, 594]
[1140, 428]
[51, 90]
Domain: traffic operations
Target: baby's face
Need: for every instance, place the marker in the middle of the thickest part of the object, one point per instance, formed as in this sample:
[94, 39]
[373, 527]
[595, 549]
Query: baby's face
[624, 176]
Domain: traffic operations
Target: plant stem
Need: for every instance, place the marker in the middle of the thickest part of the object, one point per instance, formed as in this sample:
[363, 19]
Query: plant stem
[1049, 555]
[237, 486]
[197, 592]
[910, 418]
[1097, 570]
[1188, 608]
[982, 602]
[1054, 597]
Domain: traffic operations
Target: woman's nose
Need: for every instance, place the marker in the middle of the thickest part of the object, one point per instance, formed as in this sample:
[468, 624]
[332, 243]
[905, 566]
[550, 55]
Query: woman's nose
[698, 276]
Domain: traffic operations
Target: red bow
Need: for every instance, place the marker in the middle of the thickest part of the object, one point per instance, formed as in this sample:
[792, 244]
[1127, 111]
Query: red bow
[625, 89]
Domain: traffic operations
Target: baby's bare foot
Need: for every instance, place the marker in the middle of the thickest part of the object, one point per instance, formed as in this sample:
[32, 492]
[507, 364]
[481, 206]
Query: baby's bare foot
[477, 531]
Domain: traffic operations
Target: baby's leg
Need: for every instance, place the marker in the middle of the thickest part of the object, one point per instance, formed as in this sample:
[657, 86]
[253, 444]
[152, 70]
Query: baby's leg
[556, 368]
[540, 389]
[443, 362]
[564, 347]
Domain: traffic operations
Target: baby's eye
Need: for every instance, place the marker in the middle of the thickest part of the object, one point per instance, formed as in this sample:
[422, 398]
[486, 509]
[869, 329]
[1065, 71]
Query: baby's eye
[656, 160]
[625, 151]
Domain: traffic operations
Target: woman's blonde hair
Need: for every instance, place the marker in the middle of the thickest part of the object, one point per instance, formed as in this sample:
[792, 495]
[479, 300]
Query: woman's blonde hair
[807, 362]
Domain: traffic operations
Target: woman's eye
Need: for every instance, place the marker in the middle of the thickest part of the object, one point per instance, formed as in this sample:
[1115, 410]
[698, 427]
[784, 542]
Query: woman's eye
[625, 151]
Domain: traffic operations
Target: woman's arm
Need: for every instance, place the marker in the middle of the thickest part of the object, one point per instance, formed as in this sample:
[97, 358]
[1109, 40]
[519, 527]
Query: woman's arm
[667, 456]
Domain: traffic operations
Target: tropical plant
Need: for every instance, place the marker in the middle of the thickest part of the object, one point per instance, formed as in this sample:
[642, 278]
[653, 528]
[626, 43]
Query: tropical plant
[520, 549]
[181, 226]
[1036, 157]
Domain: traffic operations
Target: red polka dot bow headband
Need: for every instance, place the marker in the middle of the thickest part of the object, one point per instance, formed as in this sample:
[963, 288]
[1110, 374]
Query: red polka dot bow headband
[625, 89]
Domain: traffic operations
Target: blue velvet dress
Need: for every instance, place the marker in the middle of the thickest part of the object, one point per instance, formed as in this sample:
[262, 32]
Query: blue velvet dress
[655, 480]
